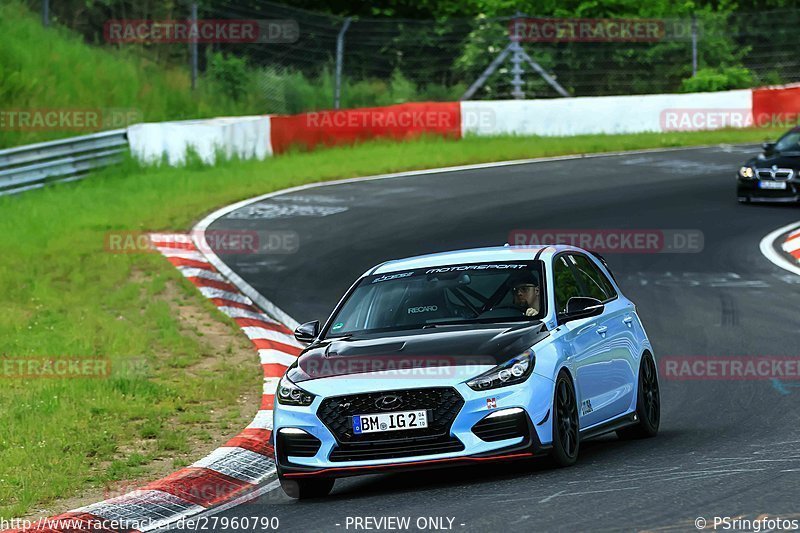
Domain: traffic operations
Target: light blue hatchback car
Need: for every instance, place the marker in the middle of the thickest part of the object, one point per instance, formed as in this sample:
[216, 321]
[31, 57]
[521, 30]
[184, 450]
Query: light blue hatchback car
[464, 357]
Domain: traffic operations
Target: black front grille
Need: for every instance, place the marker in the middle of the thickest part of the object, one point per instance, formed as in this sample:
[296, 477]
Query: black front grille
[781, 174]
[501, 427]
[442, 404]
[298, 444]
[393, 449]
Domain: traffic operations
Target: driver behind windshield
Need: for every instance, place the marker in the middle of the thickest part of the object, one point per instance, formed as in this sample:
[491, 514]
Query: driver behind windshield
[525, 293]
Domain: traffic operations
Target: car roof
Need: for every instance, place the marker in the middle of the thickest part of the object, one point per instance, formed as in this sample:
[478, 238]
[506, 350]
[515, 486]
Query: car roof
[473, 255]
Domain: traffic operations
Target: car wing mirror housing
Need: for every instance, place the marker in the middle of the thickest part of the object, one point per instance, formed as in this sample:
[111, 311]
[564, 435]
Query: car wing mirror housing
[768, 147]
[307, 332]
[579, 307]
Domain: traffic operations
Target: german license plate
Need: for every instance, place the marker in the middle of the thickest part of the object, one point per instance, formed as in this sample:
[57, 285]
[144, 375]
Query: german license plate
[772, 185]
[399, 421]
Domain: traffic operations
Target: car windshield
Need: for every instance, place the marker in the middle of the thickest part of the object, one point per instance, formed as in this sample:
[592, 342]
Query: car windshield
[789, 142]
[446, 295]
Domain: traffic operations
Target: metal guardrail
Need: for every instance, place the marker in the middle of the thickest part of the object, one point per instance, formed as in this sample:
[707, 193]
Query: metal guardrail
[35, 165]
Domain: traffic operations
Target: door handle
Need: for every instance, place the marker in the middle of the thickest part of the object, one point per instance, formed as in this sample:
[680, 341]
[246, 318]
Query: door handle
[628, 320]
[602, 330]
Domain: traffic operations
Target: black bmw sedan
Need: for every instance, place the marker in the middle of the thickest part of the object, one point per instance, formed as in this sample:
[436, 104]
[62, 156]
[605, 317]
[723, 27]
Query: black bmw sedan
[772, 176]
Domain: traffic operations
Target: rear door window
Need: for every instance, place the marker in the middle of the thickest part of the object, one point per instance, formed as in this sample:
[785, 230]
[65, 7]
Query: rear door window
[592, 280]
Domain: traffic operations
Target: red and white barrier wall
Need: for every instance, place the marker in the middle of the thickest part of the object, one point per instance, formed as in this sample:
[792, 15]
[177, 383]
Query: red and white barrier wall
[263, 136]
[781, 101]
[398, 122]
[242, 137]
[598, 115]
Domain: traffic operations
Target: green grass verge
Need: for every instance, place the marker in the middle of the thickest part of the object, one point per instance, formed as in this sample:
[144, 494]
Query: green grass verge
[53, 69]
[62, 294]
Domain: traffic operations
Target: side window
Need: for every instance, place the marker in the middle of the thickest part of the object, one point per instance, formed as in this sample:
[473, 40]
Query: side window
[592, 279]
[566, 286]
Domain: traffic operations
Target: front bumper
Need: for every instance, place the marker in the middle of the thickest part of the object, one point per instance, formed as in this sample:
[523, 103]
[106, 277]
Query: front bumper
[749, 190]
[534, 397]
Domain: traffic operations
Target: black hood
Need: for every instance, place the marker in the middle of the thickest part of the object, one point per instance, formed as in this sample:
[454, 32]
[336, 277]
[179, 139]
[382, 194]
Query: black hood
[473, 344]
[781, 160]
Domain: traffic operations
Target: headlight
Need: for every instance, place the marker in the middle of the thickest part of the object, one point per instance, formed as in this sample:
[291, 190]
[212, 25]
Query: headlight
[291, 394]
[746, 172]
[511, 372]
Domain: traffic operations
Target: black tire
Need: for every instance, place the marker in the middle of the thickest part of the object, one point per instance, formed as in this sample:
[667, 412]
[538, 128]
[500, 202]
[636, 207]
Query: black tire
[648, 403]
[303, 489]
[566, 430]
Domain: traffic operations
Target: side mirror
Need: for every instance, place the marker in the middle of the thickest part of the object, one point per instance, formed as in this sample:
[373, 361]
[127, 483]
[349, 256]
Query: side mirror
[307, 332]
[579, 307]
[768, 147]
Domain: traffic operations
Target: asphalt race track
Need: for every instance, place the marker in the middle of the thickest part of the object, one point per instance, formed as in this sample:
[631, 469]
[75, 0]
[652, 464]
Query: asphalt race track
[726, 448]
